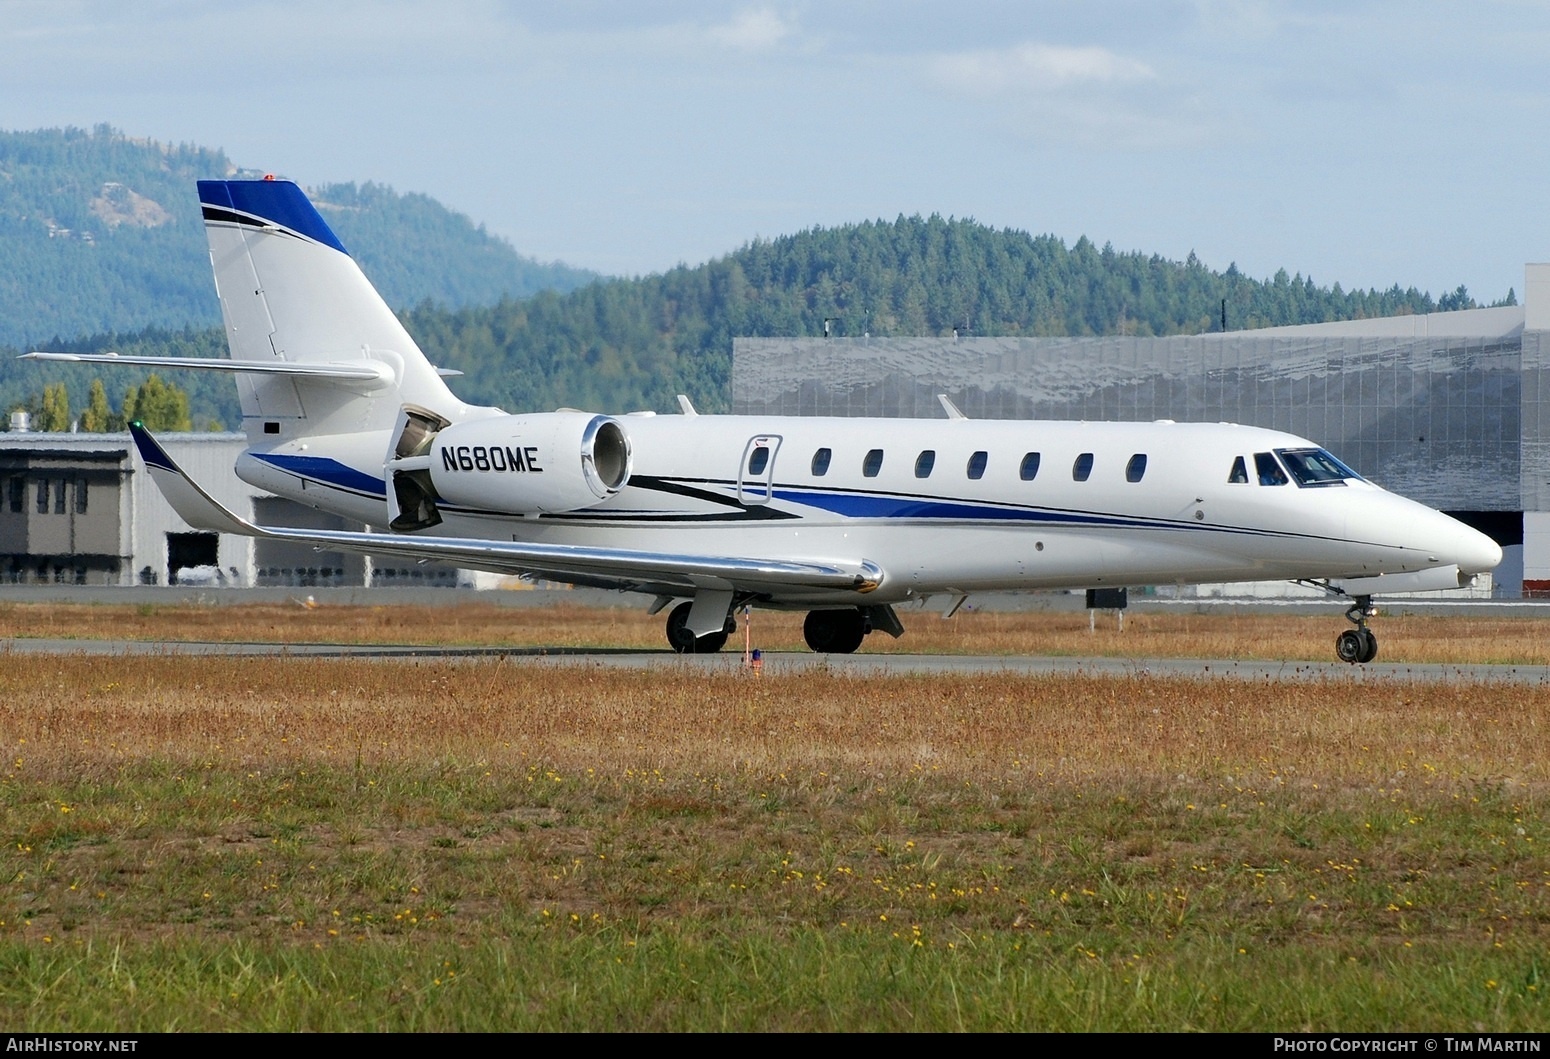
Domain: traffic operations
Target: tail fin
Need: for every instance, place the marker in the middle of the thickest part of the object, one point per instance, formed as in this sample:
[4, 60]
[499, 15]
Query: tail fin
[291, 293]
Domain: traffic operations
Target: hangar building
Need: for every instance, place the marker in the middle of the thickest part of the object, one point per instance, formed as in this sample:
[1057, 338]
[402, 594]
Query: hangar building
[80, 509]
[1451, 409]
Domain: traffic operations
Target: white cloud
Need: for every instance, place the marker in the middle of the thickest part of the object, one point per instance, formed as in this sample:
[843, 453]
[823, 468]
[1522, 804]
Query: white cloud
[755, 30]
[1035, 69]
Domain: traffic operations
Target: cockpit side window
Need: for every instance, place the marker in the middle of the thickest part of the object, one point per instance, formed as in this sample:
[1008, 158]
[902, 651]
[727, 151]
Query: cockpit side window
[1316, 467]
[1240, 473]
[1270, 472]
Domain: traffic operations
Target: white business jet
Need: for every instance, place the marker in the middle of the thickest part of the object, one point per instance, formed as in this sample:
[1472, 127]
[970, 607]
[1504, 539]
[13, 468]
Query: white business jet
[843, 518]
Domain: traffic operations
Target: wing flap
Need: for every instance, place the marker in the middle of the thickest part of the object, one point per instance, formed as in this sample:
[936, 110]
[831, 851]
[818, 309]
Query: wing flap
[558, 561]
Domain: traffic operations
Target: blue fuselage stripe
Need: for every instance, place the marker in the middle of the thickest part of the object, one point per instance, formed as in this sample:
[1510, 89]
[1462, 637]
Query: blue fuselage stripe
[327, 471]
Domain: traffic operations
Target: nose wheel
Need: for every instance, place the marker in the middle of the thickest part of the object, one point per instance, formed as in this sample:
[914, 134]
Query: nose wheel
[1358, 645]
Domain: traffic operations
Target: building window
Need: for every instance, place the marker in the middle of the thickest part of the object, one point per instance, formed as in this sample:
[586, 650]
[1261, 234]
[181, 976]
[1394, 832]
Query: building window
[42, 496]
[80, 496]
[59, 497]
[873, 463]
[1082, 469]
[1029, 470]
[924, 462]
[977, 465]
[821, 462]
[1136, 467]
[18, 489]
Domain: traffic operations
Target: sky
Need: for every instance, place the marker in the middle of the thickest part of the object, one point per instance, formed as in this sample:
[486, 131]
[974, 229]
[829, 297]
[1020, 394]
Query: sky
[1365, 143]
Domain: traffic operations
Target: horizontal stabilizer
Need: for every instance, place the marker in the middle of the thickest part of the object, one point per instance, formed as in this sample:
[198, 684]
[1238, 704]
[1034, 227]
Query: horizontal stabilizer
[353, 371]
[561, 562]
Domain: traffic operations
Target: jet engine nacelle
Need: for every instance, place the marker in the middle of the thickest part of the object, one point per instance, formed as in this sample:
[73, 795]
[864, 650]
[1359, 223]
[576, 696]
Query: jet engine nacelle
[527, 464]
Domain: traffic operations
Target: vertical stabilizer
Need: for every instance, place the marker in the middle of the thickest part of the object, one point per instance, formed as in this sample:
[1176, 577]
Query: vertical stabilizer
[291, 292]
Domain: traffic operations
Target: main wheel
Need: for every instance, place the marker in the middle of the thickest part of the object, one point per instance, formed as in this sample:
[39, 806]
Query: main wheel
[686, 643]
[1351, 645]
[837, 632]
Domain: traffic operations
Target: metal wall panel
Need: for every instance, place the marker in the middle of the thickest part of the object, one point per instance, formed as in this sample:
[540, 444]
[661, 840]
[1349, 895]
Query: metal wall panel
[1453, 420]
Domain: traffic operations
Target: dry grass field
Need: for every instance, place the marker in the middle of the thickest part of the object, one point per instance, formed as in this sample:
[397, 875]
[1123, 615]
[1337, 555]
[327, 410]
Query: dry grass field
[234, 843]
[1518, 641]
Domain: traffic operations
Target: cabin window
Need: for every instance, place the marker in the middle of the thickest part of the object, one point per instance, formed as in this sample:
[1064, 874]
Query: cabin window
[873, 463]
[1270, 472]
[1029, 469]
[821, 462]
[758, 460]
[977, 465]
[1315, 467]
[924, 462]
[1082, 469]
[1136, 467]
[1239, 474]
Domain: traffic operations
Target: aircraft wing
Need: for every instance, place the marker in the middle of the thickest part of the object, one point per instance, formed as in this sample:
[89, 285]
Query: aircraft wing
[650, 571]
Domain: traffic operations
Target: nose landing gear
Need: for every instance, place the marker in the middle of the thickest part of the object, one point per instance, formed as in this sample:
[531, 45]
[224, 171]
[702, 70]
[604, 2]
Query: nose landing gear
[1358, 644]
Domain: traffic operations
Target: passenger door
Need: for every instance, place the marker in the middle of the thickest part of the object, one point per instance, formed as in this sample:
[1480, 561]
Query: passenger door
[756, 473]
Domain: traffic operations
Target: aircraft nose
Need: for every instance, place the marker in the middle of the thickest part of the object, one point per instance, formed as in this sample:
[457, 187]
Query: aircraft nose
[1477, 553]
[1471, 550]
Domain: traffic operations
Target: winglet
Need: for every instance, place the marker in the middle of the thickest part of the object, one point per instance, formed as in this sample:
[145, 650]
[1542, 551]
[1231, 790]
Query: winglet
[195, 506]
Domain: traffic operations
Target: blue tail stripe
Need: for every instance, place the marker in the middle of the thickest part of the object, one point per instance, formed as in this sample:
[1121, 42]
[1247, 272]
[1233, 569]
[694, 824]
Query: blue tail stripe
[277, 202]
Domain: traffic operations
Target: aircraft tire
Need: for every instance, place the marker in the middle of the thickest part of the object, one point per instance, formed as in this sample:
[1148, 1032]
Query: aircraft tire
[680, 639]
[1369, 648]
[1348, 646]
[1356, 645]
[837, 632]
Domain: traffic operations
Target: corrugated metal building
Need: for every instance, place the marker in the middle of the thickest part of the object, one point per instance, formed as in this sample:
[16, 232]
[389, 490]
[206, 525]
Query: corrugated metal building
[1451, 409]
[80, 509]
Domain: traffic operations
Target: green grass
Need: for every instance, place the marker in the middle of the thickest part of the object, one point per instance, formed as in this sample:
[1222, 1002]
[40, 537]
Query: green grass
[454, 898]
[252, 844]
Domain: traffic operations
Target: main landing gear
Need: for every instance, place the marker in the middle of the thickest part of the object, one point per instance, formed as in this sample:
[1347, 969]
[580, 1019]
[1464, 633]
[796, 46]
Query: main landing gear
[1358, 644]
[837, 632]
[686, 643]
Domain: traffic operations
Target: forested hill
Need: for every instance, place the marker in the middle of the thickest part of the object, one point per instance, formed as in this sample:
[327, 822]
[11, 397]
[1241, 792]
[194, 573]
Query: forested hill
[101, 232]
[620, 345]
[626, 344]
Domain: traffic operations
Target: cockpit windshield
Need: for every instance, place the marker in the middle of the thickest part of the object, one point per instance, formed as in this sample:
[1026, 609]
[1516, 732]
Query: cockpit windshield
[1316, 467]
